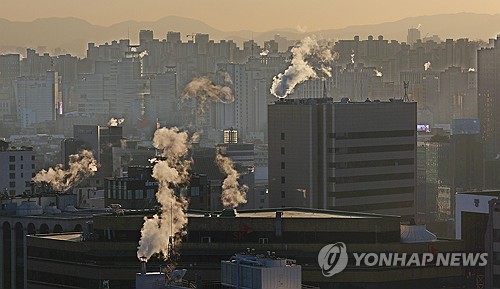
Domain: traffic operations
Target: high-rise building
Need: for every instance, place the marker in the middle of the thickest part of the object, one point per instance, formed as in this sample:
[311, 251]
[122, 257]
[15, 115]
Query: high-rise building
[433, 180]
[18, 167]
[350, 156]
[467, 160]
[488, 96]
[162, 103]
[144, 37]
[9, 69]
[413, 36]
[37, 98]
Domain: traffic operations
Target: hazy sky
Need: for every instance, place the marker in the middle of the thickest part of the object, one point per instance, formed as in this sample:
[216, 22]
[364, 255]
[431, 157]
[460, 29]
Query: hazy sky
[257, 15]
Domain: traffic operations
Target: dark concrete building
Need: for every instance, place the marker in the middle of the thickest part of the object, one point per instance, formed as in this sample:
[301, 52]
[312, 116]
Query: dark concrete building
[110, 255]
[353, 156]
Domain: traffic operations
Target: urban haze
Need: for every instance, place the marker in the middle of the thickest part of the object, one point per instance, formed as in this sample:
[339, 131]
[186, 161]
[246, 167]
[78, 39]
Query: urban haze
[265, 145]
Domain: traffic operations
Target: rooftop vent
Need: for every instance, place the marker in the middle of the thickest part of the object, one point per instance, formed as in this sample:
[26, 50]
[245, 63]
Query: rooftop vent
[412, 233]
[228, 213]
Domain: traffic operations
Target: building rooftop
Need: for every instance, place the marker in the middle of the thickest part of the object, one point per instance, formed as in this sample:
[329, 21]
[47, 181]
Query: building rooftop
[80, 214]
[72, 237]
[288, 213]
[492, 193]
[329, 100]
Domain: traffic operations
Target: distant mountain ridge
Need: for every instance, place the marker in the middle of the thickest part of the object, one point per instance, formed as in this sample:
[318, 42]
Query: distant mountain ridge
[73, 34]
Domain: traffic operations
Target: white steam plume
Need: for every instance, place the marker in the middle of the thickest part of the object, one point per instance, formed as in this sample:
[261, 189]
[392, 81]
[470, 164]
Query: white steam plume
[309, 58]
[419, 25]
[171, 170]
[472, 69]
[233, 194]
[427, 65]
[227, 77]
[204, 91]
[378, 73]
[81, 165]
[264, 52]
[115, 121]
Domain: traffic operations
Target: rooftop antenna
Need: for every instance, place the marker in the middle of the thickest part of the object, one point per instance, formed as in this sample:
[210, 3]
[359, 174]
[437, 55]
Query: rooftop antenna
[406, 84]
[252, 44]
[324, 89]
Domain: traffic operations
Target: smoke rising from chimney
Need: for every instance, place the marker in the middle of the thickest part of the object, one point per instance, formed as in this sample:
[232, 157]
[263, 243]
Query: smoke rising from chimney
[81, 165]
[171, 170]
[311, 59]
[378, 73]
[115, 121]
[233, 194]
[427, 65]
[204, 91]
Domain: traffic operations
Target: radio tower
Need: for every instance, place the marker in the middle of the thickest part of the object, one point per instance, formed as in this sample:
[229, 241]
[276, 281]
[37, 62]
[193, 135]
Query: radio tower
[406, 84]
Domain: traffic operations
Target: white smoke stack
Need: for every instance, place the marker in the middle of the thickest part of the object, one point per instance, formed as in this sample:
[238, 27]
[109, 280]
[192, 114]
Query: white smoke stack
[419, 25]
[233, 194]
[204, 91]
[471, 69]
[352, 57]
[378, 73]
[427, 65]
[309, 58]
[115, 121]
[171, 170]
[81, 165]
[264, 52]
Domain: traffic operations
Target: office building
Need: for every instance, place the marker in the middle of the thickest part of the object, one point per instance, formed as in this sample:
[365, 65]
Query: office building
[467, 155]
[37, 98]
[475, 225]
[10, 69]
[488, 93]
[355, 156]
[17, 167]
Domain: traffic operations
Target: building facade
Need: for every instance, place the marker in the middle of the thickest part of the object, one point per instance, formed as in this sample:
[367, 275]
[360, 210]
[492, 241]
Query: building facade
[348, 156]
[18, 168]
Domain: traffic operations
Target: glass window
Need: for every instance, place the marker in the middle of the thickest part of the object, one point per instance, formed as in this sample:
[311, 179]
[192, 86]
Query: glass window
[195, 191]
